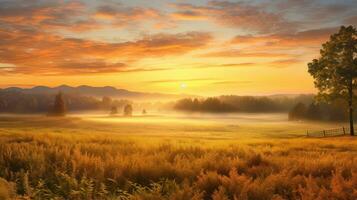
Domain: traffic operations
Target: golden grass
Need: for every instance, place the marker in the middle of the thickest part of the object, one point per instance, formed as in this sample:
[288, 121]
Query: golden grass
[44, 158]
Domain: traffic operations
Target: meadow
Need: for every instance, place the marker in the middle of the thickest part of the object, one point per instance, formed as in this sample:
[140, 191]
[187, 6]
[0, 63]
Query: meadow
[240, 157]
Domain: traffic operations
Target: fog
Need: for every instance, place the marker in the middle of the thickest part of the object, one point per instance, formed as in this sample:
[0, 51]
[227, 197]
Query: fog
[162, 117]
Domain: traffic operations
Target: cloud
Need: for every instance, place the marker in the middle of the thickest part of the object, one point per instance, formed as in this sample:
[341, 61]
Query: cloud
[120, 15]
[65, 68]
[132, 13]
[179, 80]
[188, 15]
[312, 36]
[71, 15]
[238, 64]
[280, 45]
[210, 80]
[31, 44]
[277, 63]
[284, 63]
[32, 51]
[284, 46]
[37, 35]
[75, 16]
[239, 15]
[269, 17]
[315, 12]
[352, 20]
[232, 82]
[16, 85]
[243, 54]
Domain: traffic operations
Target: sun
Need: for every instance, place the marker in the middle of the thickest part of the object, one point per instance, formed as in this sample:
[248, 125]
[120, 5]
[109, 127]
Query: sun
[183, 85]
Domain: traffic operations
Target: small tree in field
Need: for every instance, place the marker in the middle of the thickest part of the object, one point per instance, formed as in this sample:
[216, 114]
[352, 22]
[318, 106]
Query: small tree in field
[298, 112]
[335, 72]
[113, 110]
[59, 107]
[128, 110]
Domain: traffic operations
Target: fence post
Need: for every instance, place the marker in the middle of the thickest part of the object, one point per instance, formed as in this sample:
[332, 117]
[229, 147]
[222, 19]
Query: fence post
[324, 133]
[344, 131]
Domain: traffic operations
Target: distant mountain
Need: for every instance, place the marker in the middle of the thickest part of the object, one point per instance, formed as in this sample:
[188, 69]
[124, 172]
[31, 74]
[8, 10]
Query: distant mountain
[86, 90]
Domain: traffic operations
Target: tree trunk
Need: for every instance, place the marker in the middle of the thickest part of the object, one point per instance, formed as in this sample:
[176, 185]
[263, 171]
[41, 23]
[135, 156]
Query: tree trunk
[350, 105]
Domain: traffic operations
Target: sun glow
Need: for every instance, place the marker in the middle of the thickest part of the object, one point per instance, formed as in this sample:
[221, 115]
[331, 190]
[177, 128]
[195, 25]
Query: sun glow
[183, 85]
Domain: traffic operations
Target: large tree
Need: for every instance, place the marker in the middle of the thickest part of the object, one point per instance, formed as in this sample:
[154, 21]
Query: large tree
[335, 72]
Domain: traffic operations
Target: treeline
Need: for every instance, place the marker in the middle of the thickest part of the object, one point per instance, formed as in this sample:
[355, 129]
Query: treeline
[241, 103]
[19, 102]
[335, 111]
[206, 105]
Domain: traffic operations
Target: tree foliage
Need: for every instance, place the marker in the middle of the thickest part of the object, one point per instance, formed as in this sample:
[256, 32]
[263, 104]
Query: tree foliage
[337, 65]
[335, 72]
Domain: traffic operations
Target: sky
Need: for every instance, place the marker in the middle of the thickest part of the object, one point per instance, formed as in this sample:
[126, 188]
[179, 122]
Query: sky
[194, 47]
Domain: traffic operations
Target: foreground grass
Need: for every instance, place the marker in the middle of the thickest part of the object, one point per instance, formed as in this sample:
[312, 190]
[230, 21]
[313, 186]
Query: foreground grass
[74, 159]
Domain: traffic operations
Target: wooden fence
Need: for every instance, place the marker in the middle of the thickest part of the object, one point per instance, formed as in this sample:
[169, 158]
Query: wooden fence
[329, 133]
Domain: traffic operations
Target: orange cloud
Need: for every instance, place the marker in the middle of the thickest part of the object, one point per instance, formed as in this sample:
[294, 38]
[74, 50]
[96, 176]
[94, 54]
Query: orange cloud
[282, 46]
[284, 63]
[188, 15]
[180, 80]
[74, 16]
[280, 63]
[47, 15]
[240, 53]
[238, 15]
[302, 38]
[37, 52]
[232, 82]
[135, 13]
[120, 15]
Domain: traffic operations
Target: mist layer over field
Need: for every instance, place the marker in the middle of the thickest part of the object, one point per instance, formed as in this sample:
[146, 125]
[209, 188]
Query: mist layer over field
[236, 125]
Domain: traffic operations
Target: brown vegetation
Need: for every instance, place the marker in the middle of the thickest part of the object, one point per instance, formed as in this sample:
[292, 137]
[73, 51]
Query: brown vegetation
[67, 164]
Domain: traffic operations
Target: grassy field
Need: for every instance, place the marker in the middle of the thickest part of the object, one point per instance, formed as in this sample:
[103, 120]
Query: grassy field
[173, 157]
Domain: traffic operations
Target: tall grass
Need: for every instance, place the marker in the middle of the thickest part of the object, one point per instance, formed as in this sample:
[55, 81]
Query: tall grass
[44, 166]
[55, 165]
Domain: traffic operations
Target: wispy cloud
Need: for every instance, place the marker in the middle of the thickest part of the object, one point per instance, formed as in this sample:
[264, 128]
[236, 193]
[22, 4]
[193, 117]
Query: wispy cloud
[239, 15]
[232, 82]
[38, 52]
[179, 80]
[301, 38]
[242, 53]
[120, 16]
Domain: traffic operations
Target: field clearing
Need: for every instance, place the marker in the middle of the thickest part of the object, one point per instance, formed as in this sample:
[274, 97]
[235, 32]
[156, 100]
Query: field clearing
[173, 157]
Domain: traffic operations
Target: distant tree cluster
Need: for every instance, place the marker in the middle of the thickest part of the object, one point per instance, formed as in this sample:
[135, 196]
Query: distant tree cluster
[20, 102]
[113, 110]
[335, 111]
[206, 105]
[241, 104]
[128, 110]
[108, 103]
